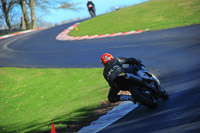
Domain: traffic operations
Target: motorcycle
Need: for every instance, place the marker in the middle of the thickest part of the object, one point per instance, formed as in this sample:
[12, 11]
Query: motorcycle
[146, 92]
[91, 10]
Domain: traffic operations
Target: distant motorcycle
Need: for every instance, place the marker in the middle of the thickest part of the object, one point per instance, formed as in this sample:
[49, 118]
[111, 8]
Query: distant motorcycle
[146, 93]
[91, 10]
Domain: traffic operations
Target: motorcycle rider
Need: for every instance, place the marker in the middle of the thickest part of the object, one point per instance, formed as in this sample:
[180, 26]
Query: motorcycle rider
[91, 9]
[115, 66]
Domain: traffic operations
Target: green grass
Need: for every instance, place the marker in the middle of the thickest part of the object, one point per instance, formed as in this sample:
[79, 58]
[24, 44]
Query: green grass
[154, 15]
[32, 99]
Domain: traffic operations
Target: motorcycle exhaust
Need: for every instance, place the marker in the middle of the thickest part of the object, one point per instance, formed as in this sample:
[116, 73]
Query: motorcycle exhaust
[133, 78]
[138, 80]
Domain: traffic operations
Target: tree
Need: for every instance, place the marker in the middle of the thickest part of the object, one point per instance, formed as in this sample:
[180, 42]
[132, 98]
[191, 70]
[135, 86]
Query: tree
[25, 14]
[33, 16]
[6, 6]
[44, 5]
[66, 5]
[30, 8]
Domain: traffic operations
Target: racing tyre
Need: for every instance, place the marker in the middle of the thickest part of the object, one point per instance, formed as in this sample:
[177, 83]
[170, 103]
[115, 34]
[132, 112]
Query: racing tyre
[143, 98]
[92, 13]
[164, 94]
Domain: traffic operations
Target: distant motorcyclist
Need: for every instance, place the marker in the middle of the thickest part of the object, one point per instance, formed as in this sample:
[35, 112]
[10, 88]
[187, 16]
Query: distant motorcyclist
[91, 8]
[115, 66]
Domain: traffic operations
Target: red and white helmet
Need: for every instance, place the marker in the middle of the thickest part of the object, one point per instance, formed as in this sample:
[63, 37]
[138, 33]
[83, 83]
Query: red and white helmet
[105, 58]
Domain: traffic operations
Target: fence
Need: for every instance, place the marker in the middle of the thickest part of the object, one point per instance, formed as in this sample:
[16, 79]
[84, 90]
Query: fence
[4, 32]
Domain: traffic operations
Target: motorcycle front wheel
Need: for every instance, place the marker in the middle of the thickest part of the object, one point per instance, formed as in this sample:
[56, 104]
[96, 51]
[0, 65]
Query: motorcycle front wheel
[144, 98]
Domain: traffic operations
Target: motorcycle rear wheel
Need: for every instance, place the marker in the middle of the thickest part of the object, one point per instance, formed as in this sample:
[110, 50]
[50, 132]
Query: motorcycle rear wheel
[148, 101]
[92, 13]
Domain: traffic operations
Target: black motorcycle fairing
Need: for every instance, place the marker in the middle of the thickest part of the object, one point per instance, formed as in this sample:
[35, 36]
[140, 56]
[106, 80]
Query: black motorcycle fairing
[122, 83]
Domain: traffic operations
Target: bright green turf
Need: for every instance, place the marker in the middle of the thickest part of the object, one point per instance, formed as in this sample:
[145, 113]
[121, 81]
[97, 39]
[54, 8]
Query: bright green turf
[32, 99]
[153, 15]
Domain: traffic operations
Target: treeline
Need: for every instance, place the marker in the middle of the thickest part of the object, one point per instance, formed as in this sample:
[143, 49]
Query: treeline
[28, 10]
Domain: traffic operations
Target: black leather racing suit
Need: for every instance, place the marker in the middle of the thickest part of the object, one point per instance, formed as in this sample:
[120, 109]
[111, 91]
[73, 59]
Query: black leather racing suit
[91, 9]
[114, 68]
[90, 3]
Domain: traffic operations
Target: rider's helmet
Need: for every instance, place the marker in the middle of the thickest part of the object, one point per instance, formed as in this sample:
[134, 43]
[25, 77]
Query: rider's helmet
[105, 58]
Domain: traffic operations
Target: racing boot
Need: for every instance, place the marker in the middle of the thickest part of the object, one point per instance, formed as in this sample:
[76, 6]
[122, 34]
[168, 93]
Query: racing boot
[126, 98]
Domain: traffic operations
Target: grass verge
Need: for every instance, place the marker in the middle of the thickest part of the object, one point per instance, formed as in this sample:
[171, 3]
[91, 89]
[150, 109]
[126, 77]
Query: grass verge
[32, 99]
[154, 15]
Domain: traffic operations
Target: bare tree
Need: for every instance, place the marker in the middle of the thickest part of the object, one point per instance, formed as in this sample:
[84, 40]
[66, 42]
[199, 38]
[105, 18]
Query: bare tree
[23, 26]
[66, 5]
[30, 8]
[25, 14]
[6, 7]
[45, 5]
[33, 16]
[56, 4]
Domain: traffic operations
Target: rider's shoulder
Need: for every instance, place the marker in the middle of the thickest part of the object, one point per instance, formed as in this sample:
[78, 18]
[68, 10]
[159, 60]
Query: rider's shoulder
[121, 59]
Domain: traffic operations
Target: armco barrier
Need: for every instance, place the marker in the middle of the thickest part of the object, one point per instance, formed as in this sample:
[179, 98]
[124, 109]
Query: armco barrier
[4, 32]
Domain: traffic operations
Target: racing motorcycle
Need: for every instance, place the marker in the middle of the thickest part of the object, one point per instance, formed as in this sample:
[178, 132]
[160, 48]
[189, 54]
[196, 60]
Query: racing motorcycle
[91, 10]
[146, 92]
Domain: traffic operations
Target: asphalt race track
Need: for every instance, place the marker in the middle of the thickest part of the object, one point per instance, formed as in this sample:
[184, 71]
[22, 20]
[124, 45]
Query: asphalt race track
[172, 55]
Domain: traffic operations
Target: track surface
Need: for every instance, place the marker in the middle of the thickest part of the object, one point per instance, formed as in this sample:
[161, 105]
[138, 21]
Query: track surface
[172, 55]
